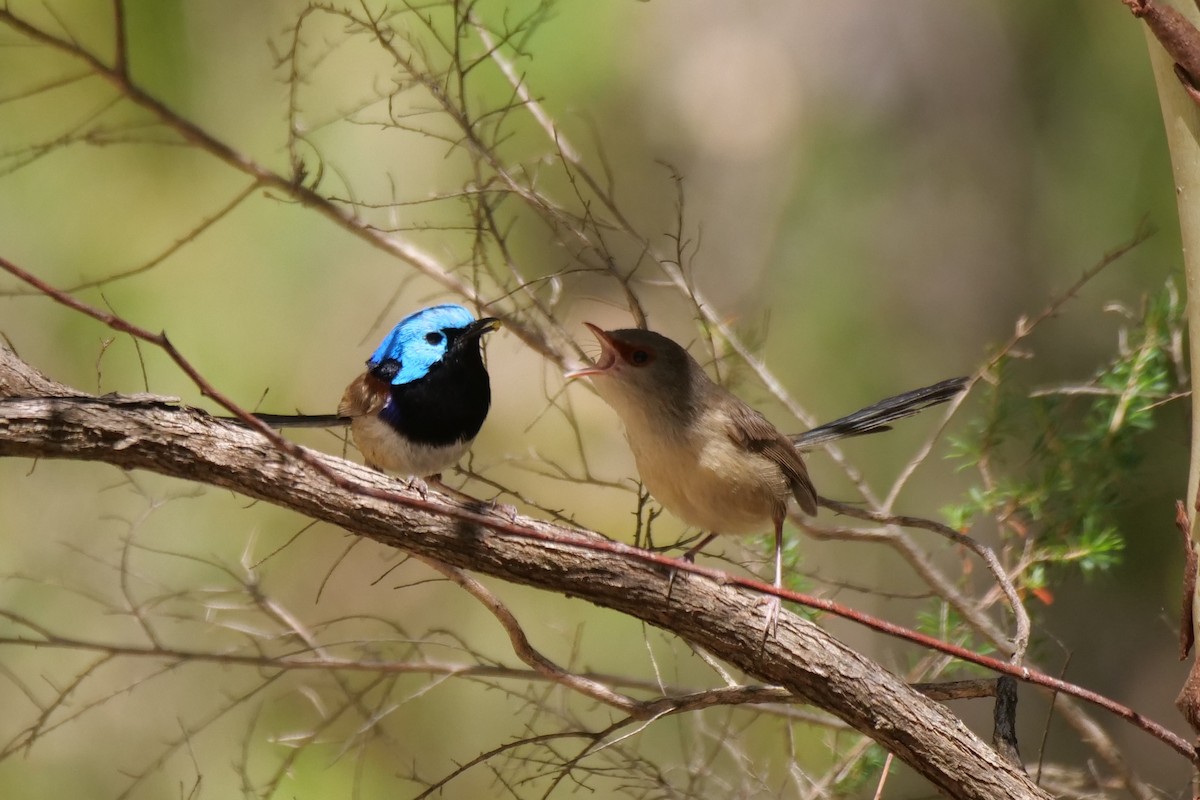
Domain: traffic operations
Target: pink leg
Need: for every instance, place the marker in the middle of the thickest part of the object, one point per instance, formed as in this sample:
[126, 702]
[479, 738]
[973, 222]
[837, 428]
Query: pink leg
[773, 603]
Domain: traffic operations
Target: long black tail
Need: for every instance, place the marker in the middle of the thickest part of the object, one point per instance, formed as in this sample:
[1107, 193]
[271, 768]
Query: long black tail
[875, 418]
[297, 420]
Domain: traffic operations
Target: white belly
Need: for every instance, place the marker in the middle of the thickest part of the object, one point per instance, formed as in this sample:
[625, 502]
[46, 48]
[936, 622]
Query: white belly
[382, 447]
[710, 484]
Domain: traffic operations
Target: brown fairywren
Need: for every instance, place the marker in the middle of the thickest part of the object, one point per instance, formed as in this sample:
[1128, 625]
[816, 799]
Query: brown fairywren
[705, 455]
[709, 458]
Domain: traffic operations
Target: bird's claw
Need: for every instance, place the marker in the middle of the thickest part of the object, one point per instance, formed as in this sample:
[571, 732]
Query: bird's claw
[419, 486]
[671, 583]
[771, 622]
[502, 510]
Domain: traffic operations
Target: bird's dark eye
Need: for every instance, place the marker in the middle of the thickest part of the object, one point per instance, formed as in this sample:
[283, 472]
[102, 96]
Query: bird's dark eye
[434, 337]
[639, 358]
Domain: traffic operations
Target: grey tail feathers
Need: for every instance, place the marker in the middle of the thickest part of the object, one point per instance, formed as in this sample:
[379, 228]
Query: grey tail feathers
[876, 418]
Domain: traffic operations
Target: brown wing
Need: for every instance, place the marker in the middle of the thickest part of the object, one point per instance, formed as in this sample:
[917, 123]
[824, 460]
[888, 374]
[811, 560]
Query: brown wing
[755, 432]
[365, 396]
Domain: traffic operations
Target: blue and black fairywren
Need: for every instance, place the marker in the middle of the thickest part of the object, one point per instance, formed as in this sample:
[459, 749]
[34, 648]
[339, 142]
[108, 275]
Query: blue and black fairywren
[424, 396]
[708, 457]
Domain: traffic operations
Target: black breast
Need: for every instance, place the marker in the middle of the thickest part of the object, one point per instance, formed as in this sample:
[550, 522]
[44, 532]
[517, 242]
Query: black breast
[446, 406]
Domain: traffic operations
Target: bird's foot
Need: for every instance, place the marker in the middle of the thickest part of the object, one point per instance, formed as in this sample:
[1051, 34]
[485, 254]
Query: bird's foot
[502, 510]
[771, 622]
[689, 557]
[419, 486]
[671, 583]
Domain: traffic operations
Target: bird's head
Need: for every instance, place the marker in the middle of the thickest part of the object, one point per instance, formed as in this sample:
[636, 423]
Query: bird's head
[641, 370]
[427, 339]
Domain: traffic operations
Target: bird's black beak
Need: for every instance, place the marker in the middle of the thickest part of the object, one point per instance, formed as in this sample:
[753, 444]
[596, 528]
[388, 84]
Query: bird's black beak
[481, 326]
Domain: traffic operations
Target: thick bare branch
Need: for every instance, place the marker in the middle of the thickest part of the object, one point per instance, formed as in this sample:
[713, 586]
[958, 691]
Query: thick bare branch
[724, 619]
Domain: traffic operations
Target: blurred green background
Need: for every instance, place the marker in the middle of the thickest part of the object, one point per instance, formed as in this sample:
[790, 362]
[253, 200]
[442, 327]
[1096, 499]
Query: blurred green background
[876, 192]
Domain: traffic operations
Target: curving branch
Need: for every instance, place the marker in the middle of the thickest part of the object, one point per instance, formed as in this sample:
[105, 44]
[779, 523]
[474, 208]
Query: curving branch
[49, 421]
[44, 419]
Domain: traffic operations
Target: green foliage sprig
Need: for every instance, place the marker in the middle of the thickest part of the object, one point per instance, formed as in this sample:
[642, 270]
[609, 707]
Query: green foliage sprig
[1053, 463]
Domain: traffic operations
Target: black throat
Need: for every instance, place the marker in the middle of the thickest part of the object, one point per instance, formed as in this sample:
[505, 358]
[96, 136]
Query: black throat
[448, 404]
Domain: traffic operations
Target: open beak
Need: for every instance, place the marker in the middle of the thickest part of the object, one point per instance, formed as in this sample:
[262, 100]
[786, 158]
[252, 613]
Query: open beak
[608, 355]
